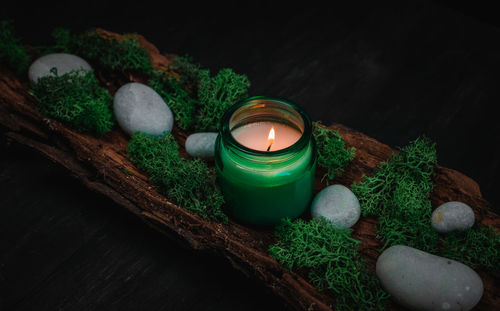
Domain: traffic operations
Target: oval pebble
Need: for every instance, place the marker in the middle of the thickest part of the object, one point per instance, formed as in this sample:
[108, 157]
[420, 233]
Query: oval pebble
[63, 62]
[452, 216]
[422, 281]
[138, 108]
[337, 204]
[201, 145]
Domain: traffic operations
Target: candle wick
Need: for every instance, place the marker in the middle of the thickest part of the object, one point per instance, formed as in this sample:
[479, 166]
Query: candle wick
[269, 148]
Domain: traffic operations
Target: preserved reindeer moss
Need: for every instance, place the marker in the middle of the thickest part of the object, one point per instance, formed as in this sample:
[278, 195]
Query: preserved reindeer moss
[406, 175]
[188, 71]
[11, 50]
[173, 92]
[76, 98]
[478, 247]
[216, 94]
[115, 55]
[332, 153]
[188, 183]
[331, 257]
[198, 99]
[399, 193]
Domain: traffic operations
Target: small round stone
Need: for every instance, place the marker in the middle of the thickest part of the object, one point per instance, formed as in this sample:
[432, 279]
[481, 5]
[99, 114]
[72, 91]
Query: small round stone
[201, 145]
[138, 108]
[422, 281]
[337, 204]
[63, 62]
[452, 216]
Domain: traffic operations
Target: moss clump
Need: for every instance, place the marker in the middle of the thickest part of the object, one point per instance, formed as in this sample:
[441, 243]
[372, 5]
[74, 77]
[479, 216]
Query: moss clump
[216, 94]
[75, 97]
[115, 55]
[198, 99]
[331, 257]
[172, 90]
[407, 175]
[332, 153]
[188, 71]
[399, 193]
[11, 50]
[478, 247]
[189, 183]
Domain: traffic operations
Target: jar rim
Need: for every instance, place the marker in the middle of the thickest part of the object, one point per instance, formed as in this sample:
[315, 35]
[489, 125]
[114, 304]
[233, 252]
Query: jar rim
[229, 139]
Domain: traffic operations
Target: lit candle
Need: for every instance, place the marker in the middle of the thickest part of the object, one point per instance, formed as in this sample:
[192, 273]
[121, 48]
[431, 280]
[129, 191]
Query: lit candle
[261, 135]
[265, 158]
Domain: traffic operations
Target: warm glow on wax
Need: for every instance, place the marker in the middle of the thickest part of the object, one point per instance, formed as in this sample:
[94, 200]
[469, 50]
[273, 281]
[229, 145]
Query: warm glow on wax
[262, 135]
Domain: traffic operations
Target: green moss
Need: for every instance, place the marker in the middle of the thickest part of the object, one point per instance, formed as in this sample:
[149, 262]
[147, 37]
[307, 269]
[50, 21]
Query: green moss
[216, 94]
[178, 86]
[332, 153]
[11, 50]
[115, 55]
[64, 42]
[171, 89]
[407, 175]
[399, 192]
[76, 98]
[198, 99]
[478, 247]
[331, 257]
[188, 183]
[188, 70]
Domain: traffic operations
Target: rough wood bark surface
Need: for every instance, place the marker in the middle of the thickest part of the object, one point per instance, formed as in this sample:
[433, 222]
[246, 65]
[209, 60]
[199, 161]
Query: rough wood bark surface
[101, 164]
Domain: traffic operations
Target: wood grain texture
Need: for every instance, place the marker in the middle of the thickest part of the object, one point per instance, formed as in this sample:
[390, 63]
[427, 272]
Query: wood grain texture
[101, 164]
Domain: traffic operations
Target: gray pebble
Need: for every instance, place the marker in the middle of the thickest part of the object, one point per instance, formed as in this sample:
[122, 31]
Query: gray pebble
[201, 145]
[63, 62]
[452, 216]
[422, 281]
[138, 108]
[337, 204]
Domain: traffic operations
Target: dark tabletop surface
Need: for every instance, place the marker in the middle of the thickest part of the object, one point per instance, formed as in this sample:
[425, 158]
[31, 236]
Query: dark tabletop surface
[392, 72]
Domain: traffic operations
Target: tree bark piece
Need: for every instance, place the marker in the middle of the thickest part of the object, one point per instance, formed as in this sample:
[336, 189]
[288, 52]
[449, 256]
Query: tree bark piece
[101, 164]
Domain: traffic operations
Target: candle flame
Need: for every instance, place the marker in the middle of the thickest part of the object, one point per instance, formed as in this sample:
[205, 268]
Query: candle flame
[270, 138]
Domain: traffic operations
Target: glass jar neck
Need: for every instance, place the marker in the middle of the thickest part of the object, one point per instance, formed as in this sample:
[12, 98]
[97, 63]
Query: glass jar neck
[258, 109]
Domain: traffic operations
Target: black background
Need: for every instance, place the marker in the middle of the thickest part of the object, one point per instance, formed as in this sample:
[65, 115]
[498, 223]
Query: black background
[393, 72]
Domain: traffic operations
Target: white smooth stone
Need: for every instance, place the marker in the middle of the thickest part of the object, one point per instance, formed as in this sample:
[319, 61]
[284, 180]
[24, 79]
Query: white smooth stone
[337, 204]
[452, 216]
[422, 281]
[201, 145]
[138, 108]
[63, 62]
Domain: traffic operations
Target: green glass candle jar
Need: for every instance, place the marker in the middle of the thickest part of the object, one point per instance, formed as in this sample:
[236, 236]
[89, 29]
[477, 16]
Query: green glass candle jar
[266, 159]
